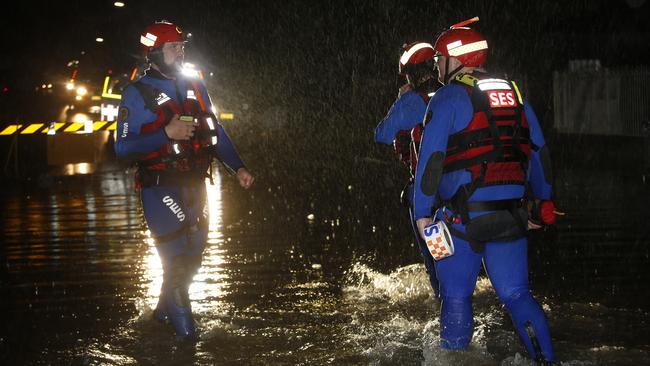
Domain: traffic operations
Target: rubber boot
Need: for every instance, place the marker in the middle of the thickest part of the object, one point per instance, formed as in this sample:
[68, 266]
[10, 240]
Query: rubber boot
[177, 300]
[160, 312]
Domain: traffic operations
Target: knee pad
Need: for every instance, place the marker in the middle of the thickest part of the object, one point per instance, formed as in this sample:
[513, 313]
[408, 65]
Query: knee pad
[456, 322]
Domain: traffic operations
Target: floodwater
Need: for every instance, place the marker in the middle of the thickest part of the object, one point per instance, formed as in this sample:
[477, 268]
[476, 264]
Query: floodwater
[291, 282]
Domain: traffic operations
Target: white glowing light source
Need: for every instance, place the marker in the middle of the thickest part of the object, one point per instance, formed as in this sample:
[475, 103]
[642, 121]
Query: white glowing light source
[49, 86]
[109, 112]
[118, 4]
[78, 97]
[99, 39]
[177, 150]
[81, 91]
[190, 70]
[69, 85]
[81, 118]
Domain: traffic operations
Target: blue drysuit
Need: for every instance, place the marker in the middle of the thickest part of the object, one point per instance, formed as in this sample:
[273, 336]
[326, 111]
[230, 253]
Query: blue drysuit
[506, 264]
[175, 210]
[405, 113]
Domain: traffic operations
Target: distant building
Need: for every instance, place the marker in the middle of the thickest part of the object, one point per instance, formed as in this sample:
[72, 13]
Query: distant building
[590, 99]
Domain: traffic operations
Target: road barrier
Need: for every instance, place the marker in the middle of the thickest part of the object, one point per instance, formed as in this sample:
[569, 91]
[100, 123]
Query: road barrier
[54, 128]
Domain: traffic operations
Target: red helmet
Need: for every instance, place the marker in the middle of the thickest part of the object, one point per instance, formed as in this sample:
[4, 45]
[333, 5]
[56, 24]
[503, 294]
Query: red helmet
[158, 34]
[466, 44]
[414, 53]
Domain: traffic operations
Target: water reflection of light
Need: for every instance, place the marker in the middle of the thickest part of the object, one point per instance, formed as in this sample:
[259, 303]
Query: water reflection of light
[208, 283]
[153, 275]
[79, 168]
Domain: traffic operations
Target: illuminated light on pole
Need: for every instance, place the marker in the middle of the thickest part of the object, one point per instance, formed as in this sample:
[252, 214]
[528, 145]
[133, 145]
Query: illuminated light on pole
[99, 39]
[118, 4]
[81, 91]
[69, 85]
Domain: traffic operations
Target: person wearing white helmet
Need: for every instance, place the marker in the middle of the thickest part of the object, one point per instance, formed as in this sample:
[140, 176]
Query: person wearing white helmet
[402, 125]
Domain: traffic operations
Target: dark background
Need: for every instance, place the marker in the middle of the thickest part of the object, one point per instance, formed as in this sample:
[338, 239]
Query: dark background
[308, 81]
[311, 56]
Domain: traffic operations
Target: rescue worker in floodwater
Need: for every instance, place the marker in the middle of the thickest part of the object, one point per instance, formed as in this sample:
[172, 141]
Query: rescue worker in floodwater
[166, 125]
[402, 126]
[482, 150]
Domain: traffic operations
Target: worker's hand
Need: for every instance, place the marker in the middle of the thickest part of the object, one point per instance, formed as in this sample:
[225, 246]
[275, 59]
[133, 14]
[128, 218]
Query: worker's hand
[404, 89]
[542, 212]
[533, 226]
[244, 177]
[422, 223]
[177, 129]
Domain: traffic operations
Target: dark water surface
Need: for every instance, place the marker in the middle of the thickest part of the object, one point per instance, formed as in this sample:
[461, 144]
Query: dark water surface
[293, 280]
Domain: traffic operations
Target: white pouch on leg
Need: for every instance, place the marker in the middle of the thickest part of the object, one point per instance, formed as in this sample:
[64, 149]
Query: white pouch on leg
[438, 240]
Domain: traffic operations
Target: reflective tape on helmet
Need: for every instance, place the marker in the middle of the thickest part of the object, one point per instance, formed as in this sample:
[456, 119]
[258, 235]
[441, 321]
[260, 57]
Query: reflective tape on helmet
[148, 39]
[407, 54]
[456, 49]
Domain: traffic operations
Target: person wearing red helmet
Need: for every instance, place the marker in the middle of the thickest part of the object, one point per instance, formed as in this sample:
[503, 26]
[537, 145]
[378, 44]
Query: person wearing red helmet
[167, 128]
[482, 159]
[402, 125]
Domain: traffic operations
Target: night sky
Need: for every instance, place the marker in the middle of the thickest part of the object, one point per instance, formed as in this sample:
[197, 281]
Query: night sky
[312, 48]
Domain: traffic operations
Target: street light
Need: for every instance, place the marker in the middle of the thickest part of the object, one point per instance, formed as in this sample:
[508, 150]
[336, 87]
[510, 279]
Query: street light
[118, 4]
[99, 39]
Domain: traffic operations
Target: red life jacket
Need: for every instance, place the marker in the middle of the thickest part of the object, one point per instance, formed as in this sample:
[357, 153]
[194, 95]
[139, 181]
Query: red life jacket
[495, 146]
[179, 156]
[407, 143]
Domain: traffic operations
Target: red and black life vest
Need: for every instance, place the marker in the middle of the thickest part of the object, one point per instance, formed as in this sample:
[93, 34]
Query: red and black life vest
[495, 146]
[179, 156]
[407, 143]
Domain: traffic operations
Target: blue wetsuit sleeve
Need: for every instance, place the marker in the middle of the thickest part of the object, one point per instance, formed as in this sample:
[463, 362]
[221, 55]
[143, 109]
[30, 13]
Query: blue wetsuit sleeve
[225, 150]
[130, 143]
[432, 152]
[405, 113]
[539, 171]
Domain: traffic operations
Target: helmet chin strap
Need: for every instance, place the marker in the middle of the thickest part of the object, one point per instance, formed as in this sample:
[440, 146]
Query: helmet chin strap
[156, 57]
[448, 74]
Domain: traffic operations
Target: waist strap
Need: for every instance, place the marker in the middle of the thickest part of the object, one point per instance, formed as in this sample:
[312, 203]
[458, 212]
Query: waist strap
[498, 205]
[148, 178]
